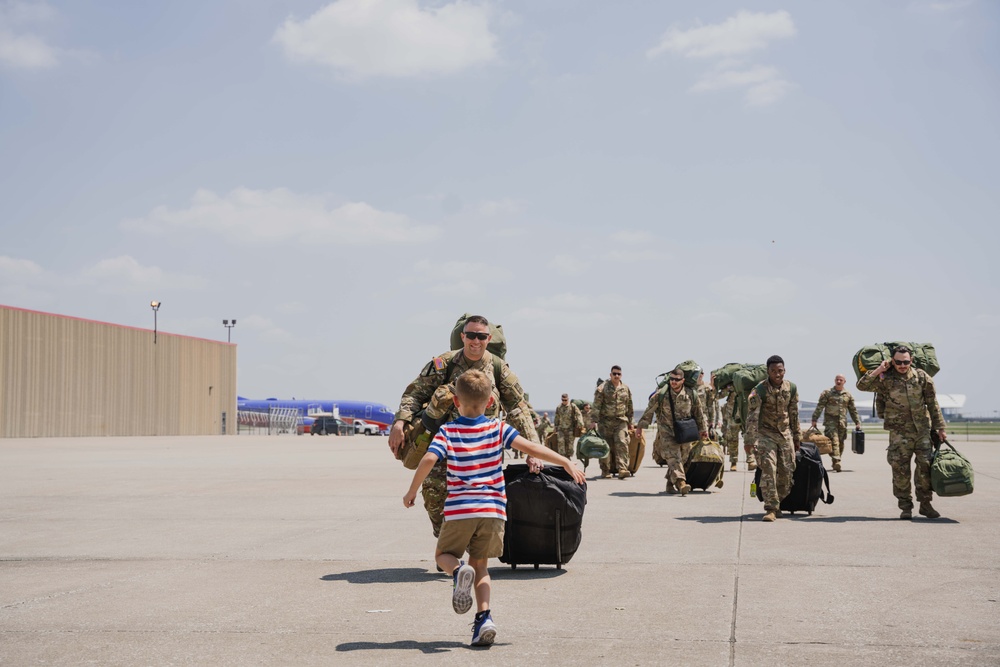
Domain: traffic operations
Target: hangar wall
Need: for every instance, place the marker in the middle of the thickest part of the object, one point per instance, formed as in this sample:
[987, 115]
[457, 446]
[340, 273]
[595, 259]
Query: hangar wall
[63, 376]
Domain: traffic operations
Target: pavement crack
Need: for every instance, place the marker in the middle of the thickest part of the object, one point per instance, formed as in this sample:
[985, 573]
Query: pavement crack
[736, 583]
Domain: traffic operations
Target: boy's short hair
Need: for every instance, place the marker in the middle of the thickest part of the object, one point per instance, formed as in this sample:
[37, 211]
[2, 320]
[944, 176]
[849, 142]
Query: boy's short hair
[473, 386]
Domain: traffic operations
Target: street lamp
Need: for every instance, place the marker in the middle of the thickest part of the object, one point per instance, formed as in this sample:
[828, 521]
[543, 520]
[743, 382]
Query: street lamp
[229, 329]
[155, 305]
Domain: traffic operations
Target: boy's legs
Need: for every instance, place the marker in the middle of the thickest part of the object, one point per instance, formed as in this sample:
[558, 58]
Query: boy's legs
[483, 583]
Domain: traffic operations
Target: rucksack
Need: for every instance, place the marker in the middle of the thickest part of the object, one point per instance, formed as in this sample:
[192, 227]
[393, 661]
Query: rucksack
[723, 377]
[692, 373]
[497, 345]
[951, 473]
[871, 356]
[744, 380]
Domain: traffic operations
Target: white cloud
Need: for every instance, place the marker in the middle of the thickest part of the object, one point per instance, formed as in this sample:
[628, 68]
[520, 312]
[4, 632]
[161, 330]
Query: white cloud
[458, 278]
[125, 274]
[764, 85]
[730, 41]
[737, 35]
[16, 270]
[392, 38]
[567, 265]
[20, 48]
[267, 330]
[269, 216]
[756, 290]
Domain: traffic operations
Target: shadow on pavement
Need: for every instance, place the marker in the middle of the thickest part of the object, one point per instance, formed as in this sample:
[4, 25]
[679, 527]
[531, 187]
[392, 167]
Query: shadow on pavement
[409, 645]
[636, 494]
[805, 517]
[397, 575]
[503, 571]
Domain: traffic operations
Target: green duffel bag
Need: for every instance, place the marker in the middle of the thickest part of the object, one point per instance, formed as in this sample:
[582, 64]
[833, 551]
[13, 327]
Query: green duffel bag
[744, 380]
[869, 357]
[724, 376]
[591, 446]
[692, 373]
[951, 473]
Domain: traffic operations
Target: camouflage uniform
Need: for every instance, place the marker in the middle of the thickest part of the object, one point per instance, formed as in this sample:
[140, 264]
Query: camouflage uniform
[568, 417]
[433, 388]
[612, 411]
[688, 404]
[709, 405]
[730, 429]
[837, 404]
[544, 426]
[911, 411]
[773, 428]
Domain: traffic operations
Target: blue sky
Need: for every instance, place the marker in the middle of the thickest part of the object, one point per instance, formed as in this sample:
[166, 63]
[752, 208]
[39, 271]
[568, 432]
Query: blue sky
[634, 183]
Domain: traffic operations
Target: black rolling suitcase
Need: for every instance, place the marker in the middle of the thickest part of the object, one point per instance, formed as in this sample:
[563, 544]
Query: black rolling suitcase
[544, 516]
[858, 441]
[703, 468]
[807, 482]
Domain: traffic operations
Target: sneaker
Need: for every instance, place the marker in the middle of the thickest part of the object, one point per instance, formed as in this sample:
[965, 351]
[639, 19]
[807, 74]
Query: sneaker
[769, 516]
[461, 592]
[928, 511]
[732, 467]
[684, 488]
[836, 466]
[484, 630]
[906, 514]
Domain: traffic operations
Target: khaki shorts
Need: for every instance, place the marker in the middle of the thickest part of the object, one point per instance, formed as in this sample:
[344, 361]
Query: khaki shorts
[482, 538]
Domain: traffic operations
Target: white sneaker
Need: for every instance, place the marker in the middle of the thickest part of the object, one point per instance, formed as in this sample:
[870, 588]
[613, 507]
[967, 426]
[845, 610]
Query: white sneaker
[461, 593]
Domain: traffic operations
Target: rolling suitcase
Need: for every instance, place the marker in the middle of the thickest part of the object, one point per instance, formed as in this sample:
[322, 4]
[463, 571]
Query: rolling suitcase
[544, 516]
[704, 465]
[858, 441]
[636, 450]
[807, 482]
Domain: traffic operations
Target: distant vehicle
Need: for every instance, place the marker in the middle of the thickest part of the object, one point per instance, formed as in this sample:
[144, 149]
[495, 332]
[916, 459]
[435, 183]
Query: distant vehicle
[367, 411]
[361, 426]
[329, 426]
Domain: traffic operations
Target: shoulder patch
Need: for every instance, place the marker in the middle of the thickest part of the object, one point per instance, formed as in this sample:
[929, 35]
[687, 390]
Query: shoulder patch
[439, 363]
[753, 394]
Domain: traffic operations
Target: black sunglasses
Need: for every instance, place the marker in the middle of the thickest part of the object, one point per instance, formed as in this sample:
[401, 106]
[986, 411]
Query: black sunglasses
[475, 335]
[618, 374]
[901, 362]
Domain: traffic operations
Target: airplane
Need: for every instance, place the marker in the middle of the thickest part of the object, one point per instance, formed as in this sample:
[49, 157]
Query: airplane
[367, 411]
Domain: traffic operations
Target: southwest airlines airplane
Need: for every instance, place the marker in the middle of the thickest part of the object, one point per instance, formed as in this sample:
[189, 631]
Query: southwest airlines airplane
[366, 411]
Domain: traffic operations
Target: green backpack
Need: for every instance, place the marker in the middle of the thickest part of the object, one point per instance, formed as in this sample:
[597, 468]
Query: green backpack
[744, 380]
[724, 376]
[497, 345]
[951, 473]
[692, 373]
[869, 357]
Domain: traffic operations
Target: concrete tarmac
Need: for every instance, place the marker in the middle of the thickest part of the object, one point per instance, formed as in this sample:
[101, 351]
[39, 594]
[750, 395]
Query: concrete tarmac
[296, 550]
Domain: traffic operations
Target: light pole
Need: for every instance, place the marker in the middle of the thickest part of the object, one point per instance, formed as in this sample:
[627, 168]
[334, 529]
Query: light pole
[229, 329]
[155, 305]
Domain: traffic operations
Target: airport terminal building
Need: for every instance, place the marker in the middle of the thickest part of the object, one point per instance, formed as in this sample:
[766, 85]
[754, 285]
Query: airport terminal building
[65, 376]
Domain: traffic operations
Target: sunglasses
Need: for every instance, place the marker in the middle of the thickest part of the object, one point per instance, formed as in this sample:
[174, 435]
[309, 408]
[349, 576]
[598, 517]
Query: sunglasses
[475, 335]
[617, 374]
[901, 362]
[676, 379]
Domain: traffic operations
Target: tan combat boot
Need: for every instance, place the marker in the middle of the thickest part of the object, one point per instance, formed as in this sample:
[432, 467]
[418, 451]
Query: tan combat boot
[624, 474]
[732, 467]
[769, 516]
[684, 488]
[928, 511]
[836, 466]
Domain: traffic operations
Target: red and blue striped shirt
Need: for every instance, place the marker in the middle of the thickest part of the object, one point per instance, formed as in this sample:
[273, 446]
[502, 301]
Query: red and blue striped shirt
[473, 450]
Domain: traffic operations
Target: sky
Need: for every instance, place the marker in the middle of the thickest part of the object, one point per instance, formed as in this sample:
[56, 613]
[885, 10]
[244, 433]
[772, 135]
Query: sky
[631, 183]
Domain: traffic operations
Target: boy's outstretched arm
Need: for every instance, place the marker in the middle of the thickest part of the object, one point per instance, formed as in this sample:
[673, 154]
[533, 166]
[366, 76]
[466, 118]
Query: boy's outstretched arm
[419, 475]
[530, 448]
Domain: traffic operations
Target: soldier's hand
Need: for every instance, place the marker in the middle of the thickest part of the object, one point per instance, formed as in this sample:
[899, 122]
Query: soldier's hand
[797, 444]
[814, 423]
[942, 435]
[703, 435]
[396, 437]
[884, 366]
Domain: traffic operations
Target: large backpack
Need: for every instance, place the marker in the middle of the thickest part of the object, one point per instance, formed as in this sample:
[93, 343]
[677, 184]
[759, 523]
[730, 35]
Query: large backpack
[692, 373]
[870, 356]
[723, 377]
[807, 482]
[744, 380]
[497, 345]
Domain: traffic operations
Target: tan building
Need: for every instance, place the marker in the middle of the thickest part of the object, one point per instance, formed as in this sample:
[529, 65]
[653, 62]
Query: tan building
[64, 376]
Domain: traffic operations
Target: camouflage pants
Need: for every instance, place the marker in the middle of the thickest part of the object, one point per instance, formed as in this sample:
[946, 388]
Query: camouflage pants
[837, 432]
[617, 437]
[731, 439]
[904, 445]
[564, 443]
[776, 460]
[435, 491]
[675, 454]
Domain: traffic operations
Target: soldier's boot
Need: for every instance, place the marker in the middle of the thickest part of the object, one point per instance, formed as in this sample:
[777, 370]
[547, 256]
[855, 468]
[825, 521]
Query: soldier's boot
[684, 487]
[769, 516]
[928, 511]
[624, 474]
[671, 489]
[836, 465]
[732, 467]
[778, 513]
[906, 514]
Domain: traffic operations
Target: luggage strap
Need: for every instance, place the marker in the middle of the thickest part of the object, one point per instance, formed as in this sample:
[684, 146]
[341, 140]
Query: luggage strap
[829, 496]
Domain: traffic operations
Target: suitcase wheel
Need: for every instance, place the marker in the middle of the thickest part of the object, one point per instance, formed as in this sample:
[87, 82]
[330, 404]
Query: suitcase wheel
[513, 566]
[536, 566]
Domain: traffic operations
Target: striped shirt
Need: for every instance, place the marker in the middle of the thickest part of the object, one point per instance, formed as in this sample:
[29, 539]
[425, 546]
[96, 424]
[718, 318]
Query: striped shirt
[473, 449]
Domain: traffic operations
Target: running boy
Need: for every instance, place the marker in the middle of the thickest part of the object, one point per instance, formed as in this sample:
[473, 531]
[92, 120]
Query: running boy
[476, 508]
